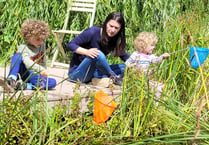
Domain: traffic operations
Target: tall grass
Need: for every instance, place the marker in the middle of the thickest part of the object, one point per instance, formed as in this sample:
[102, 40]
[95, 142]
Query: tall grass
[182, 114]
[146, 15]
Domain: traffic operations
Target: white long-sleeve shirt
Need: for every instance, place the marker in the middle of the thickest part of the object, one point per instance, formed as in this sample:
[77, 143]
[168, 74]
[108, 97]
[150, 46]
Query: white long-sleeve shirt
[142, 61]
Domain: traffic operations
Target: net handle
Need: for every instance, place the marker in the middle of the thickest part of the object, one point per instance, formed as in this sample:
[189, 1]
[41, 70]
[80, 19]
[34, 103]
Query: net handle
[178, 50]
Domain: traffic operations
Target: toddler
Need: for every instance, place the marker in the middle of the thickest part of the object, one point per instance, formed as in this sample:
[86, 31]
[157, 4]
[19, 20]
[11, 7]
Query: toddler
[29, 63]
[141, 59]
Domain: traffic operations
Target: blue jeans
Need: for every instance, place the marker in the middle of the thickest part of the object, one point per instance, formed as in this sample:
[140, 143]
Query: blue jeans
[17, 66]
[39, 81]
[96, 67]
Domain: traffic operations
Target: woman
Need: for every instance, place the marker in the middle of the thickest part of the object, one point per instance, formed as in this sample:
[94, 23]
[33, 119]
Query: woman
[91, 47]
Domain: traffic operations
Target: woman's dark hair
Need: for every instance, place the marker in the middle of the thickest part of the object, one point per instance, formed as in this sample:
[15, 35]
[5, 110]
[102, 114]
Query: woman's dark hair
[120, 43]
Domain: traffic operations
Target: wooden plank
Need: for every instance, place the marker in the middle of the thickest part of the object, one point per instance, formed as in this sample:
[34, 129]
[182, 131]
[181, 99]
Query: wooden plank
[61, 64]
[81, 9]
[63, 92]
[66, 31]
[59, 43]
[83, 5]
[94, 1]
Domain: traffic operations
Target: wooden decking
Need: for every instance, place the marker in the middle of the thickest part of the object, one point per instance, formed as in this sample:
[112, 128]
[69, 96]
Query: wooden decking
[64, 91]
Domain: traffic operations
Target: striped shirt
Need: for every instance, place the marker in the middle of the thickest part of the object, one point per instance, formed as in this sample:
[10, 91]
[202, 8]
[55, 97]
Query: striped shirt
[142, 61]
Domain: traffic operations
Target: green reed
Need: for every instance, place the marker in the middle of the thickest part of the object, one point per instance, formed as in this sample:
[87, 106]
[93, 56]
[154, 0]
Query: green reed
[137, 120]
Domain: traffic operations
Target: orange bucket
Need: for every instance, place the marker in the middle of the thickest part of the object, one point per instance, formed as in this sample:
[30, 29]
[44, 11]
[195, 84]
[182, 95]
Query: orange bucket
[103, 107]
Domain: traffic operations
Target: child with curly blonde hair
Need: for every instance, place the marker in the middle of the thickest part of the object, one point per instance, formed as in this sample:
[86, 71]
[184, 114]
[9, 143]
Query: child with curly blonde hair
[144, 44]
[29, 63]
[141, 59]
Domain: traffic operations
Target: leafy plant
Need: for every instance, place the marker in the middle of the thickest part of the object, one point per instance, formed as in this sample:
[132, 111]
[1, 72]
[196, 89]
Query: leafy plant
[181, 117]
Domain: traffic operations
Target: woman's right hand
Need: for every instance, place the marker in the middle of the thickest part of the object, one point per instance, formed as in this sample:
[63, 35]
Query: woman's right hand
[93, 52]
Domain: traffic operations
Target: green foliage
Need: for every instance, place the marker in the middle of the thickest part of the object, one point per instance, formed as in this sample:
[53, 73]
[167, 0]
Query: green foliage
[146, 15]
[137, 119]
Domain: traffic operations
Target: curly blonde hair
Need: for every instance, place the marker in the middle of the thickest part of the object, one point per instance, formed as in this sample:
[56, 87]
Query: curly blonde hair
[34, 29]
[144, 39]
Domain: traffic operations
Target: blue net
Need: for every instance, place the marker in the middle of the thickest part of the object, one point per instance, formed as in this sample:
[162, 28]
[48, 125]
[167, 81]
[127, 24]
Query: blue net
[202, 54]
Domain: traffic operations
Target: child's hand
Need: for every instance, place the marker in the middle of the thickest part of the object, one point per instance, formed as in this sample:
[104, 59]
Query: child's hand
[44, 73]
[166, 55]
[149, 73]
